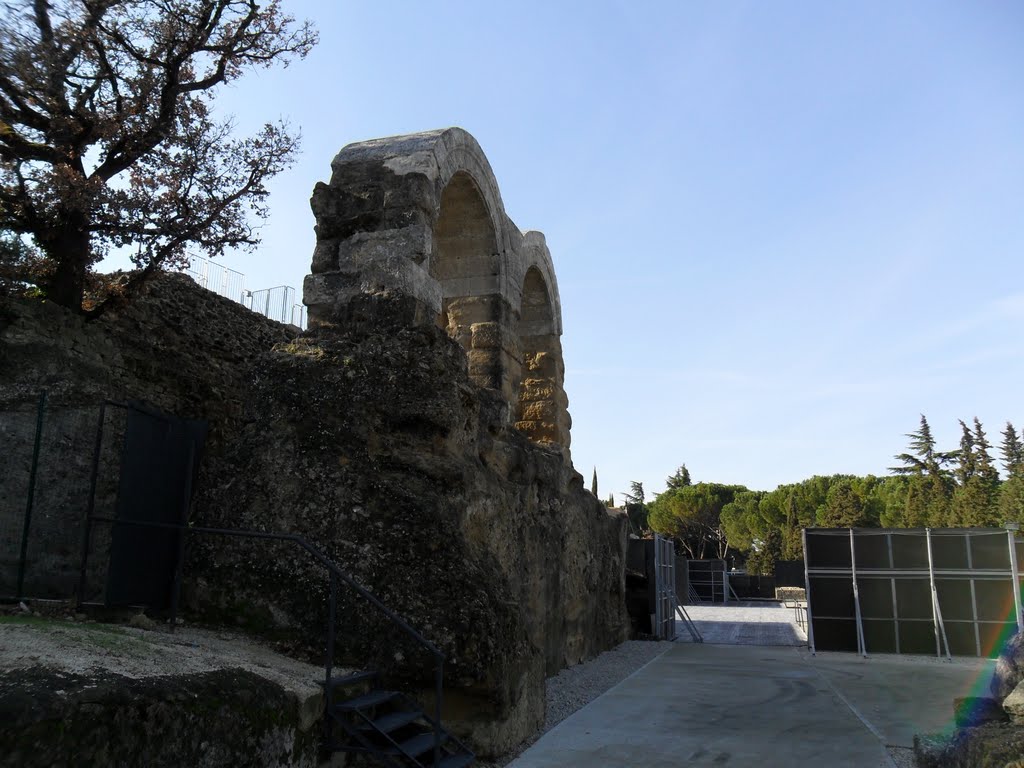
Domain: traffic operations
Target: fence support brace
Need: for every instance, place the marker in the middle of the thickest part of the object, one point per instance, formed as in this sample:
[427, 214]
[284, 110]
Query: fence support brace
[23, 558]
[807, 594]
[1010, 534]
[861, 645]
[936, 610]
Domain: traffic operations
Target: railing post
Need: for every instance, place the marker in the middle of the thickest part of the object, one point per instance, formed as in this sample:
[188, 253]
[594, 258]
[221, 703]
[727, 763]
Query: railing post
[439, 694]
[92, 502]
[861, 645]
[807, 593]
[329, 665]
[41, 409]
[179, 565]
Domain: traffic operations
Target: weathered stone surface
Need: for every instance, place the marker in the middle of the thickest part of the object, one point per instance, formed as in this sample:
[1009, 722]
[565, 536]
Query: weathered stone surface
[1013, 704]
[370, 439]
[993, 745]
[383, 451]
[1009, 670]
[230, 718]
[181, 348]
[970, 711]
[385, 435]
[422, 216]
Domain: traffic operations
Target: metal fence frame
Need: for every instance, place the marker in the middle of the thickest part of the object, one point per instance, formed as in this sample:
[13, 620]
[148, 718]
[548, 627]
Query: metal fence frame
[278, 303]
[19, 592]
[665, 602]
[711, 574]
[861, 574]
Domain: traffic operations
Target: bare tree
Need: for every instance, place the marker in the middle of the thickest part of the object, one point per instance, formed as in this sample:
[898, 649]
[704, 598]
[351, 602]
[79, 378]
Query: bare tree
[106, 133]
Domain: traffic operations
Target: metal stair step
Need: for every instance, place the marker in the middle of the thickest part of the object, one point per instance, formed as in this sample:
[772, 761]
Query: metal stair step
[459, 760]
[417, 745]
[366, 700]
[340, 681]
[391, 721]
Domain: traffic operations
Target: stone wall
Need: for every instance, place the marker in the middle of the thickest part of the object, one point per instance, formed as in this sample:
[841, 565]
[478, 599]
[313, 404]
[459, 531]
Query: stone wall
[372, 439]
[418, 434]
[180, 348]
[378, 445]
[223, 719]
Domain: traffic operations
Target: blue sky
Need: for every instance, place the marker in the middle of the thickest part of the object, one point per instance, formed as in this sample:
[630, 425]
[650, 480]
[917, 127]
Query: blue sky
[781, 230]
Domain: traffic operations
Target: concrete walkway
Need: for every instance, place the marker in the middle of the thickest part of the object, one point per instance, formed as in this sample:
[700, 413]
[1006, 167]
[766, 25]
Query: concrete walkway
[746, 623]
[714, 705]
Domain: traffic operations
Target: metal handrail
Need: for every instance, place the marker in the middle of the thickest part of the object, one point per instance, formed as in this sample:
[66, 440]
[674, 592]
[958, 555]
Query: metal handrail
[335, 572]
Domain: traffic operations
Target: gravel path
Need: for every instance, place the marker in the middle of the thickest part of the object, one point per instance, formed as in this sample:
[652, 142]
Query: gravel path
[575, 687]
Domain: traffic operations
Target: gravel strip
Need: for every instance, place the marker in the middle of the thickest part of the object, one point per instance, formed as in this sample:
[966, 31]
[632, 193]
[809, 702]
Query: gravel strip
[903, 757]
[575, 687]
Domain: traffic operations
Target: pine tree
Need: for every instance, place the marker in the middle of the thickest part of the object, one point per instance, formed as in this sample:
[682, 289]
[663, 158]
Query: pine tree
[1011, 494]
[680, 479]
[929, 490]
[965, 456]
[975, 500]
[984, 466]
[924, 459]
[1013, 451]
[636, 510]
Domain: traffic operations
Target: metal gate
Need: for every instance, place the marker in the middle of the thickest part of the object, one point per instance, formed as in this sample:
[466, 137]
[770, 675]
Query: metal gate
[159, 457]
[664, 624]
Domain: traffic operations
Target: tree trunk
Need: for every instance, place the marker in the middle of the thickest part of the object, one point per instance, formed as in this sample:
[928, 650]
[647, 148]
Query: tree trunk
[68, 248]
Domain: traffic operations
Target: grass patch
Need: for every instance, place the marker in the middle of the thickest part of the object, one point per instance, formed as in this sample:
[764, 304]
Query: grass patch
[105, 636]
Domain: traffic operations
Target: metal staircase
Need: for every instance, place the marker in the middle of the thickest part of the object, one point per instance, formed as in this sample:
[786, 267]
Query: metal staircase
[389, 725]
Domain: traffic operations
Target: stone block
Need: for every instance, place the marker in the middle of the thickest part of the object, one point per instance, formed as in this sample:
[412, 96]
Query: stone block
[540, 410]
[970, 711]
[486, 336]
[364, 248]
[1013, 704]
[540, 364]
[1009, 667]
[536, 389]
[325, 256]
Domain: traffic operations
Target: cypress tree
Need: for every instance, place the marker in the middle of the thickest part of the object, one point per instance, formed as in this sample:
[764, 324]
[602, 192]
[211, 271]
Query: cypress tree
[1013, 451]
[593, 483]
[1011, 494]
[975, 501]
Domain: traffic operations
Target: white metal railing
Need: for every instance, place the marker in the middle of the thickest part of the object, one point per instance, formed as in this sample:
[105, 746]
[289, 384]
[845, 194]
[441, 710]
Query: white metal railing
[278, 303]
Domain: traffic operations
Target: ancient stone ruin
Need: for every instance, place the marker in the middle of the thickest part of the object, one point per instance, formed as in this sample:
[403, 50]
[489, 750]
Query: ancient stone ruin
[421, 215]
[418, 434]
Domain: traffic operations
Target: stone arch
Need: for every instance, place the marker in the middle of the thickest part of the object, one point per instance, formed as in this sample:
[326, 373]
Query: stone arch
[541, 407]
[418, 222]
[467, 263]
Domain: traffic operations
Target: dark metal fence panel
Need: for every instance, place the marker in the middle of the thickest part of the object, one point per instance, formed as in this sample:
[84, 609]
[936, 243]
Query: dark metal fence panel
[747, 586]
[789, 573]
[940, 591]
[41, 522]
[159, 456]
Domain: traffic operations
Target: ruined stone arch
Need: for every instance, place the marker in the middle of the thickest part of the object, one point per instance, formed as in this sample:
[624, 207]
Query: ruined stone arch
[421, 217]
[470, 267]
[542, 406]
